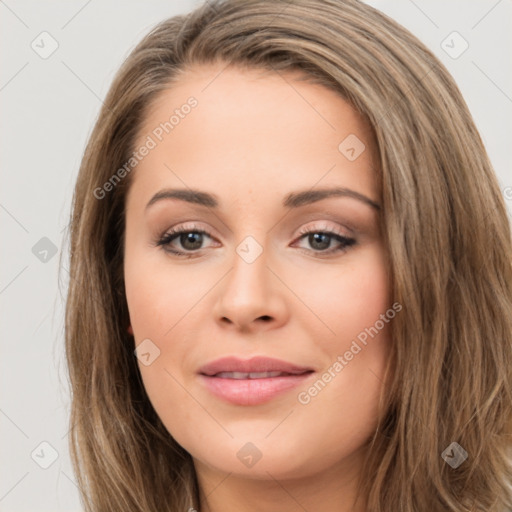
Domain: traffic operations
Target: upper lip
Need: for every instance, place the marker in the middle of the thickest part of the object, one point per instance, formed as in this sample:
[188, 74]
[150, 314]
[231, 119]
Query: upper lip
[255, 364]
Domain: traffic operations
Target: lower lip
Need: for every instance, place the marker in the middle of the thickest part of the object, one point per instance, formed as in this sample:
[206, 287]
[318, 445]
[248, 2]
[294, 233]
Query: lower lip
[252, 391]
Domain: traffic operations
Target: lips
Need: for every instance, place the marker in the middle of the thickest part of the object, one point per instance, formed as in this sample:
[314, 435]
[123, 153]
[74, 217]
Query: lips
[254, 368]
[253, 381]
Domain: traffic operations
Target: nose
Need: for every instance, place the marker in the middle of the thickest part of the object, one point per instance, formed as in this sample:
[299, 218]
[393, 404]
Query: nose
[251, 297]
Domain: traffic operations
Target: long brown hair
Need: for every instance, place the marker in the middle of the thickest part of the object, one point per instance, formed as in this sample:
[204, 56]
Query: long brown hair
[446, 229]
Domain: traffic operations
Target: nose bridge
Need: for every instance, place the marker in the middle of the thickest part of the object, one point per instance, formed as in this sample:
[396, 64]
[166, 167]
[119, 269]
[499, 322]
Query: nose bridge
[248, 292]
[249, 277]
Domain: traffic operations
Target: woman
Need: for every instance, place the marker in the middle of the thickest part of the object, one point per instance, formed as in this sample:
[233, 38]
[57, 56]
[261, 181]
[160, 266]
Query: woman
[339, 334]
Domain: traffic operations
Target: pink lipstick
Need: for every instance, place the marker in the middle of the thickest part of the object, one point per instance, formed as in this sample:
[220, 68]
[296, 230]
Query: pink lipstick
[252, 381]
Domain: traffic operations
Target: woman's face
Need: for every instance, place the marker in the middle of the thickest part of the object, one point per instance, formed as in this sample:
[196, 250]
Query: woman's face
[282, 271]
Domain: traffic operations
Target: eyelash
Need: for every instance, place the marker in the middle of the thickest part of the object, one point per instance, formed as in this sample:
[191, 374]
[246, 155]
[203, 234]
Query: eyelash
[168, 237]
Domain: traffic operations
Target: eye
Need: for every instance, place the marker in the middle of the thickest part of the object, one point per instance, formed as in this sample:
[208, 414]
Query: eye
[320, 240]
[190, 238]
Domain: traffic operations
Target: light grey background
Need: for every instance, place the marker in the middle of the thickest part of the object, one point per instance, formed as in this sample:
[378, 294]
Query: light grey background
[49, 107]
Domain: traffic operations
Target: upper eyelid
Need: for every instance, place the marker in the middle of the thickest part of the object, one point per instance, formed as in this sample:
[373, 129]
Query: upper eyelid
[324, 226]
[174, 232]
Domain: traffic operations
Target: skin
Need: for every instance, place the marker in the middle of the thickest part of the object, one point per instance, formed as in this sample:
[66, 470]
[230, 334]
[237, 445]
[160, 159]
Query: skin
[254, 138]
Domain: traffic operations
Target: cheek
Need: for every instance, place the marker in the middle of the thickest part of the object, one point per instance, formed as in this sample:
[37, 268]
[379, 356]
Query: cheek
[160, 294]
[159, 299]
[353, 332]
[347, 299]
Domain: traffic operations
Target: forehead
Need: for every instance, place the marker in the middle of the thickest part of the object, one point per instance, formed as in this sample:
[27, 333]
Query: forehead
[251, 129]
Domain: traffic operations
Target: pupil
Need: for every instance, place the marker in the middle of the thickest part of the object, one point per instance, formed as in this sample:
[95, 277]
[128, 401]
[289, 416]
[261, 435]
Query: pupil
[316, 237]
[189, 237]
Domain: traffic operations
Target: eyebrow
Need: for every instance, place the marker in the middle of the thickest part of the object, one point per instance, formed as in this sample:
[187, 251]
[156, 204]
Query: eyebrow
[292, 200]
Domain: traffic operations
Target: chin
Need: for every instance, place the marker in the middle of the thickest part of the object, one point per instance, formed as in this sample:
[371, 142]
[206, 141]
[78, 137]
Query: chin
[262, 461]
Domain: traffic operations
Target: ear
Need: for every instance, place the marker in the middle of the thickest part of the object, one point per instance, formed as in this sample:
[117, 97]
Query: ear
[130, 330]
